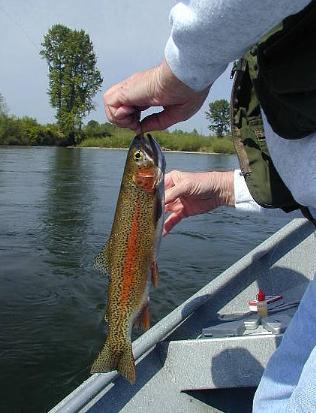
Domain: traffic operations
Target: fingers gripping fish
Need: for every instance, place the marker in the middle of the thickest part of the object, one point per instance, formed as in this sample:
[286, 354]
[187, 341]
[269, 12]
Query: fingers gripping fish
[129, 256]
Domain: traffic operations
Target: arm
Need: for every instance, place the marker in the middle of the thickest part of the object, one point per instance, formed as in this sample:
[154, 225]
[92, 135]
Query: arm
[193, 193]
[206, 35]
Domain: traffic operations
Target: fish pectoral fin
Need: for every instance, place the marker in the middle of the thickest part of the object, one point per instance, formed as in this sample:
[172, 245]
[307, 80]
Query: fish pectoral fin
[120, 360]
[101, 262]
[143, 319]
[154, 273]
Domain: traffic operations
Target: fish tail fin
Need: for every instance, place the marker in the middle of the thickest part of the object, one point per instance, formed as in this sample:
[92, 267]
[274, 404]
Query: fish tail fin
[120, 360]
[126, 364]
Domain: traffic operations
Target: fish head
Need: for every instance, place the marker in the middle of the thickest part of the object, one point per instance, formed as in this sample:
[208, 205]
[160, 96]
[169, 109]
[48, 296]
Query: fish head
[146, 163]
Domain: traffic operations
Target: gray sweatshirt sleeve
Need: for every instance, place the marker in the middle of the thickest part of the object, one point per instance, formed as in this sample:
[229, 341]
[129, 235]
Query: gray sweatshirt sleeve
[206, 35]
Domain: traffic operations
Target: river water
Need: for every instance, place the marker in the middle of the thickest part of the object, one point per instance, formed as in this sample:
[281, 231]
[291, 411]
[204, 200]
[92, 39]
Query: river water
[56, 210]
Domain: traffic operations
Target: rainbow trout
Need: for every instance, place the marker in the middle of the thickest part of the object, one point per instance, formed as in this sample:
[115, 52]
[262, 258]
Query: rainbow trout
[129, 256]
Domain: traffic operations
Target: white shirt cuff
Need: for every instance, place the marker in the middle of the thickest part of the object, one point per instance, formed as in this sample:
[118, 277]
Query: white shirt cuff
[243, 198]
[245, 202]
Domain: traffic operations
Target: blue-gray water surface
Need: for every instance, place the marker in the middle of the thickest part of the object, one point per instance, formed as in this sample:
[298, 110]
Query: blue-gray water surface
[56, 210]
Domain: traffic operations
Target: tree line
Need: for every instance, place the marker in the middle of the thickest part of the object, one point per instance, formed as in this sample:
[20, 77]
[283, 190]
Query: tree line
[73, 81]
[27, 131]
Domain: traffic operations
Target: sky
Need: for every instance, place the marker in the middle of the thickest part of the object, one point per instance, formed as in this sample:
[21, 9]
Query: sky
[128, 36]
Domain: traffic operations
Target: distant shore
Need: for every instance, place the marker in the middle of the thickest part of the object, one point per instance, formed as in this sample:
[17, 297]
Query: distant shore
[116, 149]
[27, 131]
[163, 149]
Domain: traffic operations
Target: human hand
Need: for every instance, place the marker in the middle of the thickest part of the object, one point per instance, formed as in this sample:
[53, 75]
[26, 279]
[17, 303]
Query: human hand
[192, 193]
[158, 86]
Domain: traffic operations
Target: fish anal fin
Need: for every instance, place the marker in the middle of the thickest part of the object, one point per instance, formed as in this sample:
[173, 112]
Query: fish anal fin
[154, 273]
[101, 262]
[143, 319]
[120, 360]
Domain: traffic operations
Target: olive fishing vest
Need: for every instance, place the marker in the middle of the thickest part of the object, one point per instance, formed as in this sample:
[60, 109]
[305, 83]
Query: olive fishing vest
[277, 74]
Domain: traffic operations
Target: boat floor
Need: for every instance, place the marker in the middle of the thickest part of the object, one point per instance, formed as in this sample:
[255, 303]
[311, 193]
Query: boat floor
[161, 396]
[220, 400]
[196, 375]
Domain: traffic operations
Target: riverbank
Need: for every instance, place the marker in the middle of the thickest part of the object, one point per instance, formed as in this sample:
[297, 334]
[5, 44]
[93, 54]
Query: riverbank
[113, 149]
[26, 131]
[163, 149]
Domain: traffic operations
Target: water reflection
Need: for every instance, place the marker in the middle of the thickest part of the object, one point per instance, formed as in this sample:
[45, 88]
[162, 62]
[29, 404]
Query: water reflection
[68, 204]
[66, 235]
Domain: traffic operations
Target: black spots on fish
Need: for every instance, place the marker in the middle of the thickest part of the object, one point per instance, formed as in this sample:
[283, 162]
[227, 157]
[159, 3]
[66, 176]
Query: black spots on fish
[126, 364]
[130, 256]
[112, 359]
[105, 361]
[101, 262]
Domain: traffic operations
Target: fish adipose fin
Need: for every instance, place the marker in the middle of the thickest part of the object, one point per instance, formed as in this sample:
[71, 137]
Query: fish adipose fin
[101, 262]
[120, 360]
[143, 319]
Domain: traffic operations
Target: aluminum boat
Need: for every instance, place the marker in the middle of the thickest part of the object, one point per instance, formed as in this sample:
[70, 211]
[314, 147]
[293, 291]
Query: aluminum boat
[209, 353]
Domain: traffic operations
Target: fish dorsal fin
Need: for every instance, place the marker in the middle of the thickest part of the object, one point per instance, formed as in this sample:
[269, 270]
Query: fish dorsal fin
[101, 262]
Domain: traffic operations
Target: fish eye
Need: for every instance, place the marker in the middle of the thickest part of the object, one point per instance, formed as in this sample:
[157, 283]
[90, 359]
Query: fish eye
[138, 156]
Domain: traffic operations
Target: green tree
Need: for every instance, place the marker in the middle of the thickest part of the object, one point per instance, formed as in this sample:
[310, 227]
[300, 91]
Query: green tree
[3, 106]
[178, 131]
[95, 129]
[73, 76]
[219, 117]
[3, 119]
